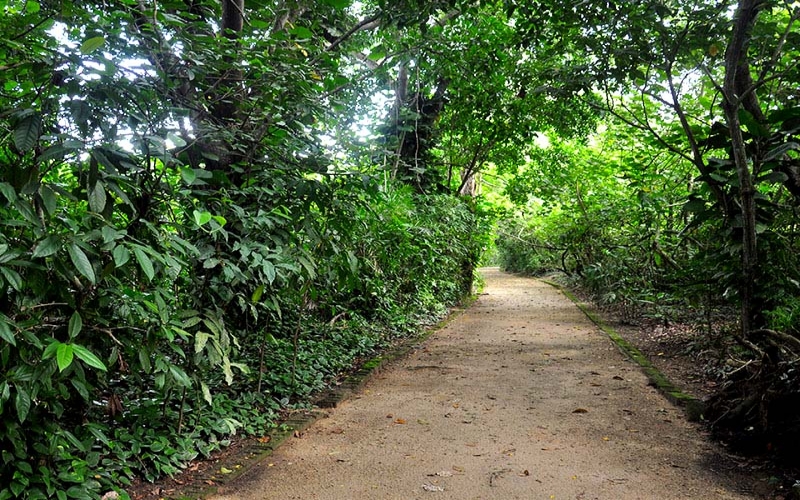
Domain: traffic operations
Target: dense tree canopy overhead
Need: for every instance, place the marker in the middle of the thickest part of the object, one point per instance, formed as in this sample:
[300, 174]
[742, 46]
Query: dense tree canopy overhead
[195, 194]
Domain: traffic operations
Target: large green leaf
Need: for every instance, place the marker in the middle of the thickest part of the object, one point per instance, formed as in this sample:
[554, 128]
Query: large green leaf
[81, 262]
[201, 218]
[12, 277]
[97, 197]
[64, 356]
[200, 340]
[75, 325]
[92, 44]
[88, 357]
[49, 199]
[27, 131]
[121, 256]
[51, 350]
[47, 247]
[22, 402]
[5, 330]
[144, 262]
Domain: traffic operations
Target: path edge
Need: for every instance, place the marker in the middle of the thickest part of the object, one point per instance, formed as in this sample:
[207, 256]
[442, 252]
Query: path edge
[259, 450]
[692, 406]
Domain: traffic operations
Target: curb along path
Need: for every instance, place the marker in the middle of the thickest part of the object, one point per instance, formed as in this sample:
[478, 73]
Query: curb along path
[520, 397]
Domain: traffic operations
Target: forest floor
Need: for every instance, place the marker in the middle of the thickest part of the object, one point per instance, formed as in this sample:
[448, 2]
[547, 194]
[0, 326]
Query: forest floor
[520, 396]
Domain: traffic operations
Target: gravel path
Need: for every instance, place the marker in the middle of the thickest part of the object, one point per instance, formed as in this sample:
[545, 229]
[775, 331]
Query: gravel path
[520, 397]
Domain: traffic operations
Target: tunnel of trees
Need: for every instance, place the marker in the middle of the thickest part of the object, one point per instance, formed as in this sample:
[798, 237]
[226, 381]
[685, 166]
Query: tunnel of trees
[209, 209]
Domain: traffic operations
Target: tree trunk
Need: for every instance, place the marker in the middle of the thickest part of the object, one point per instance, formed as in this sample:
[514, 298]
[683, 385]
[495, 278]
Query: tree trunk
[735, 62]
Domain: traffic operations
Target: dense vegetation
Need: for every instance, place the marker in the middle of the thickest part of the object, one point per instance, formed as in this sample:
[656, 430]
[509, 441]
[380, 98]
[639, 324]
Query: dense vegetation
[211, 208]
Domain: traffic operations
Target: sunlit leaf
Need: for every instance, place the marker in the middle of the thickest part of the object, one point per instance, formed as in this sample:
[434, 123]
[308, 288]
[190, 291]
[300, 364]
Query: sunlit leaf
[64, 356]
[92, 44]
[200, 340]
[201, 218]
[206, 393]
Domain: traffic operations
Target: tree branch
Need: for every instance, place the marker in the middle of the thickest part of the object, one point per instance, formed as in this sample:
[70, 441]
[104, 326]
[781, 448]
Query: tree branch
[368, 23]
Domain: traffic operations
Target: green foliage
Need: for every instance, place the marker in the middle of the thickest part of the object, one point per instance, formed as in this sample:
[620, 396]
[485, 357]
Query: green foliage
[181, 257]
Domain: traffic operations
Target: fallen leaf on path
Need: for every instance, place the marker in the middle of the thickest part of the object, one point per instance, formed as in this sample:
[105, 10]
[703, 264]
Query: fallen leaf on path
[606, 438]
[265, 439]
[580, 410]
[497, 474]
[617, 377]
[432, 487]
[225, 470]
[458, 469]
[401, 421]
[442, 473]
[526, 472]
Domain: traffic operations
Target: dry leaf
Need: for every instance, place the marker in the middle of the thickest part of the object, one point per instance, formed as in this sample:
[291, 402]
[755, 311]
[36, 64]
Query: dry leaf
[432, 487]
[442, 473]
[617, 377]
[400, 421]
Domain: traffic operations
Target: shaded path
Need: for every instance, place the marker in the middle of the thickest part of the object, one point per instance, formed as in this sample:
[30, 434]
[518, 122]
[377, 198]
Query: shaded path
[521, 397]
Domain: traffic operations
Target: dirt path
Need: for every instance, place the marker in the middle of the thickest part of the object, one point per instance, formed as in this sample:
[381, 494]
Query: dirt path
[521, 397]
